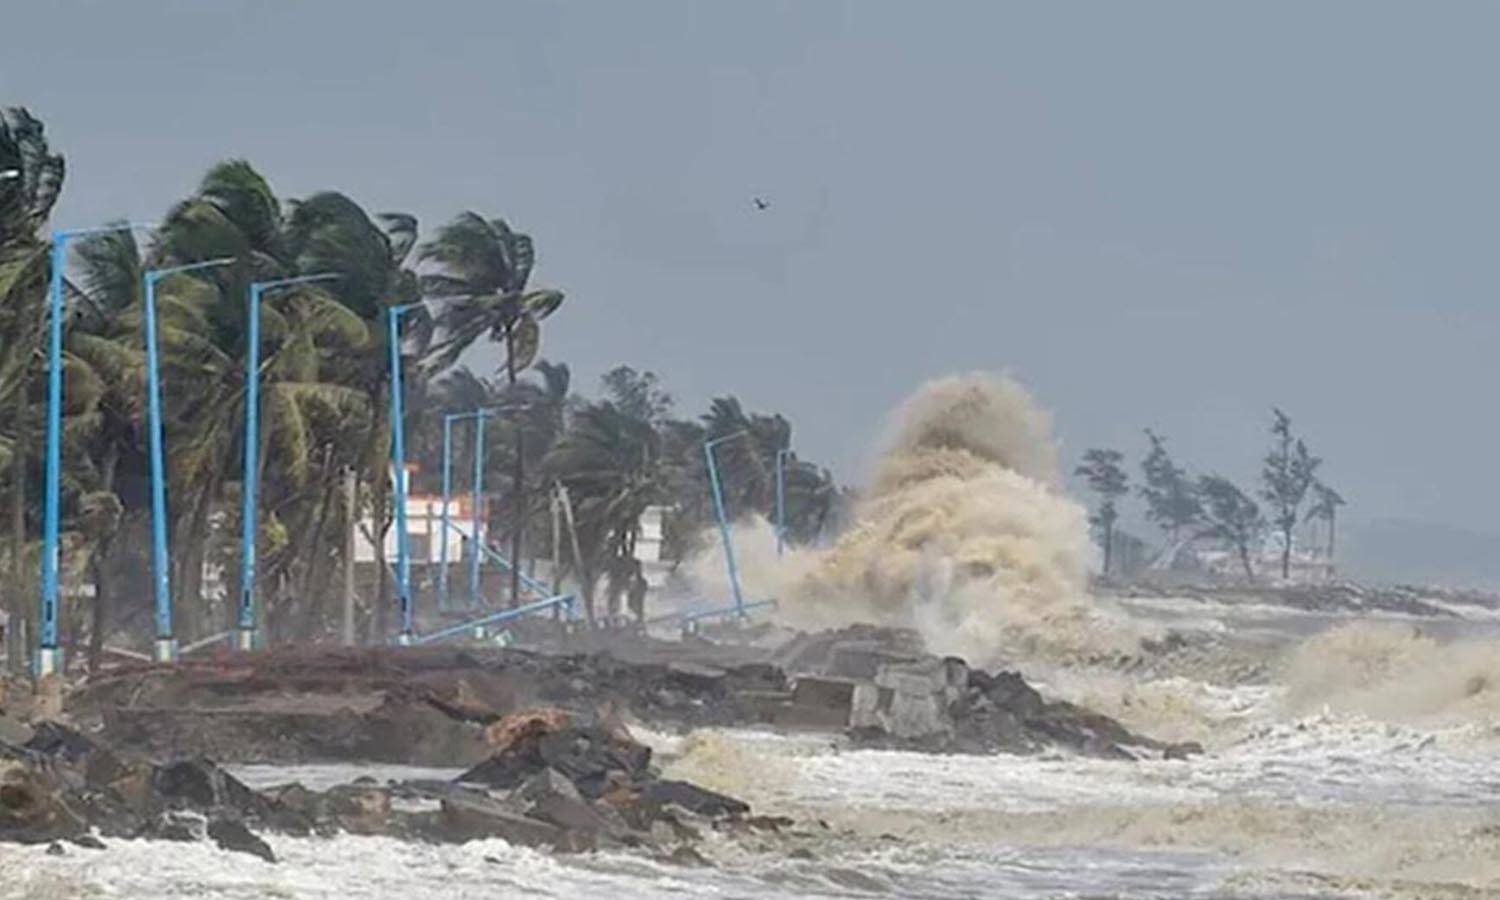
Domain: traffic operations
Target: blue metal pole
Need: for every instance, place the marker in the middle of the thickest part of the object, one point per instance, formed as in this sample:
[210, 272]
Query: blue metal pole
[247, 478]
[781, 456]
[49, 657]
[246, 632]
[474, 539]
[398, 476]
[447, 494]
[161, 578]
[713, 478]
[166, 641]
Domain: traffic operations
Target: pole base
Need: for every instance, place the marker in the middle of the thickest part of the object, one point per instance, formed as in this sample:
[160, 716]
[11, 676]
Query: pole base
[49, 661]
[481, 633]
[504, 639]
[166, 650]
[405, 639]
[246, 639]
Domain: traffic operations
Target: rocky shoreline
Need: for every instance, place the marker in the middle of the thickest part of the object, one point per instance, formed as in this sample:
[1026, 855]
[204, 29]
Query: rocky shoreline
[550, 759]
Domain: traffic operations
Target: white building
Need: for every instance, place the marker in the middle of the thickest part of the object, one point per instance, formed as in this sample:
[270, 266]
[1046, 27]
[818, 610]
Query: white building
[424, 528]
[650, 545]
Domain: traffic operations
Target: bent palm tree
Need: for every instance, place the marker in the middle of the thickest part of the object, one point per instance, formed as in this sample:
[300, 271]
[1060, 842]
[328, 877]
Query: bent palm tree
[490, 264]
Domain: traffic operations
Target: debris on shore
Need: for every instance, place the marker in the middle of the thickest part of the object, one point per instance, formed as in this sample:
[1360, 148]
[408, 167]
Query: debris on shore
[551, 762]
[553, 781]
[433, 706]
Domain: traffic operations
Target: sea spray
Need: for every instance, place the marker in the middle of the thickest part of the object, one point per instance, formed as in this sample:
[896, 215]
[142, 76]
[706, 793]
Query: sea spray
[964, 535]
[1395, 673]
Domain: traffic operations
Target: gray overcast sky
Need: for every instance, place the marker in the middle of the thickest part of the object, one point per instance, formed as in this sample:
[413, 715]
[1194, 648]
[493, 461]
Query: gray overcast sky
[1166, 214]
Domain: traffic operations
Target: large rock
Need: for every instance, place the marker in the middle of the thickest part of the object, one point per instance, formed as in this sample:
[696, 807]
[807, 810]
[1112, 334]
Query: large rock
[472, 817]
[585, 755]
[694, 799]
[231, 834]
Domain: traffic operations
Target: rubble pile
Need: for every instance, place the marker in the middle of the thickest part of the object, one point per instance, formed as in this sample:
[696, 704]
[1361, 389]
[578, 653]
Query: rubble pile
[888, 692]
[552, 781]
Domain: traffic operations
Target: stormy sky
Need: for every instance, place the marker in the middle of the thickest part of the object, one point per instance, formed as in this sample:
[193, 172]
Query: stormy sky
[1163, 214]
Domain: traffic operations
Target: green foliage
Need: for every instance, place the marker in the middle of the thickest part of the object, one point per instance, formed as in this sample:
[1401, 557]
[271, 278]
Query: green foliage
[637, 394]
[1172, 501]
[1230, 515]
[1106, 477]
[325, 391]
[1288, 473]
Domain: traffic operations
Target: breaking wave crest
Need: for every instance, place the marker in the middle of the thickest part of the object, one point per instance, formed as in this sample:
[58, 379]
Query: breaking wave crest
[1395, 673]
[965, 536]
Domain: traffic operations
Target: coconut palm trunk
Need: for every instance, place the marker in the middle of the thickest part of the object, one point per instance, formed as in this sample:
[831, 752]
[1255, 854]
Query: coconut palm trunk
[16, 630]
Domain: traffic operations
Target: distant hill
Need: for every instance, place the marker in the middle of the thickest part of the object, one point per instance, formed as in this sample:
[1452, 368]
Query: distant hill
[1402, 550]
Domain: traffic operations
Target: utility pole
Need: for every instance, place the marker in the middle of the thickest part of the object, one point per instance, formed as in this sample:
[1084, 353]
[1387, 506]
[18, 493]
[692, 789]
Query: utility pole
[556, 541]
[351, 518]
[567, 509]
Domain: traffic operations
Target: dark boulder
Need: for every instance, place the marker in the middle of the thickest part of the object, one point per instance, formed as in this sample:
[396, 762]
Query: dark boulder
[232, 834]
[471, 818]
[694, 799]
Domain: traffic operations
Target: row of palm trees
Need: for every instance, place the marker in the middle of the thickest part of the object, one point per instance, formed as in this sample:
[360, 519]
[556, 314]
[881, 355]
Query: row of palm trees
[324, 382]
[616, 456]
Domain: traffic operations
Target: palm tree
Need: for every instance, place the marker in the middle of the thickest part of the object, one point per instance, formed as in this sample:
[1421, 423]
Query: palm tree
[322, 379]
[613, 468]
[26, 203]
[489, 264]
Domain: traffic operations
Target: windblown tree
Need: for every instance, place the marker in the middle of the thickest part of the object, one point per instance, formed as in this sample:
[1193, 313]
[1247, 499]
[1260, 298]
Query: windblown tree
[611, 464]
[26, 201]
[1231, 516]
[637, 394]
[322, 368]
[1288, 473]
[489, 265]
[747, 465]
[1325, 508]
[1102, 470]
[1171, 496]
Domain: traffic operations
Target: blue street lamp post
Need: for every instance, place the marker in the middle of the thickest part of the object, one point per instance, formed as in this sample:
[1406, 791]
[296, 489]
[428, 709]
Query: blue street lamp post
[477, 500]
[166, 641]
[49, 659]
[398, 465]
[245, 634]
[718, 490]
[478, 415]
[447, 499]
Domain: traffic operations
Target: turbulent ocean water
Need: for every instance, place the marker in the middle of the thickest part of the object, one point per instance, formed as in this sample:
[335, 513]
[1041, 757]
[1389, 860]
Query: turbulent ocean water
[1346, 754]
[1290, 800]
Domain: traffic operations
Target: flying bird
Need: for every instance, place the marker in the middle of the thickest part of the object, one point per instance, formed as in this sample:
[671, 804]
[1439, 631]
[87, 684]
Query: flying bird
[761, 204]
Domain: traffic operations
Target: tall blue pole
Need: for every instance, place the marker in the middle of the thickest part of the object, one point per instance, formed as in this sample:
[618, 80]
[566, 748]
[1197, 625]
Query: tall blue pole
[49, 659]
[713, 479]
[166, 649]
[166, 641]
[781, 456]
[245, 637]
[474, 538]
[398, 476]
[246, 632]
[447, 495]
